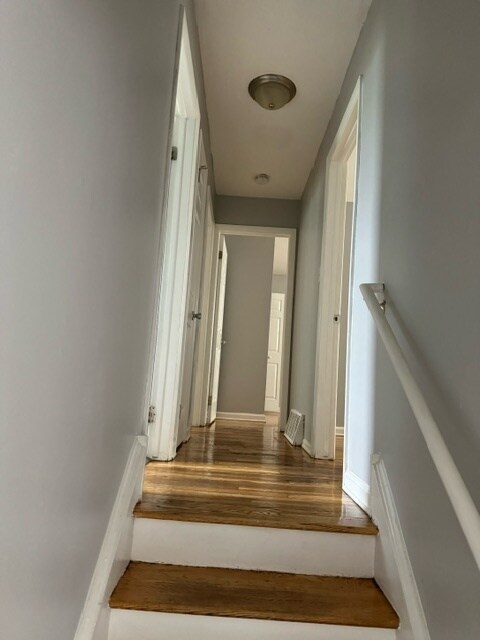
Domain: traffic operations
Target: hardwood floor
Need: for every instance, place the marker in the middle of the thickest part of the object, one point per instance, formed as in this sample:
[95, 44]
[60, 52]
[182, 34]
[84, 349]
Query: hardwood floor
[247, 474]
[253, 594]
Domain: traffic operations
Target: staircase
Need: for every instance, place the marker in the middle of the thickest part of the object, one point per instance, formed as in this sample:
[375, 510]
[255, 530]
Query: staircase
[237, 570]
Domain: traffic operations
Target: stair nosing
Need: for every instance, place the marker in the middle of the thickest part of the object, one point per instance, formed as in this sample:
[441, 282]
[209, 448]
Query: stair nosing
[370, 530]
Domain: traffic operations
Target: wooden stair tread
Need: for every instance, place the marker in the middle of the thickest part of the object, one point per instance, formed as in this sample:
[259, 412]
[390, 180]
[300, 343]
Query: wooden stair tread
[255, 512]
[253, 594]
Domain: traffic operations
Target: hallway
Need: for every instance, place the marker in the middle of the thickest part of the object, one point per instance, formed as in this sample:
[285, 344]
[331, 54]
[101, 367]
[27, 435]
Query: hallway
[246, 536]
[247, 474]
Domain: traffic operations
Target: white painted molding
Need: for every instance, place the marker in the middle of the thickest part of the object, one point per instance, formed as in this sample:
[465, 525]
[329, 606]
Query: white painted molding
[242, 417]
[275, 232]
[202, 365]
[306, 446]
[357, 489]
[150, 625]
[203, 544]
[396, 579]
[116, 547]
[330, 280]
[172, 301]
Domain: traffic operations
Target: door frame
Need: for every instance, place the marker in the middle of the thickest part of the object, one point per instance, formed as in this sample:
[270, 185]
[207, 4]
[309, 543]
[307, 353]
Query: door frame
[330, 281]
[188, 377]
[168, 341]
[272, 232]
[221, 269]
[205, 330]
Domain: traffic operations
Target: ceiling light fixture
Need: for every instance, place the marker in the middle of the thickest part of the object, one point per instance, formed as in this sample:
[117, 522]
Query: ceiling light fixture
[262, 178]
[272, 91]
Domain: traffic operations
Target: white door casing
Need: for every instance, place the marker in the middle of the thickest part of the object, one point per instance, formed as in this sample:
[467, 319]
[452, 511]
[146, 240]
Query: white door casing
[218, 330]
[274, 232]
[203, 349]
[192, 318]
[173, 288]
[275, 345]
[330, 283]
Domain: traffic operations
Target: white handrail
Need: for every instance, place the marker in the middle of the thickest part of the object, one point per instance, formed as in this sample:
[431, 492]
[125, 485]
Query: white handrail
[461, 500]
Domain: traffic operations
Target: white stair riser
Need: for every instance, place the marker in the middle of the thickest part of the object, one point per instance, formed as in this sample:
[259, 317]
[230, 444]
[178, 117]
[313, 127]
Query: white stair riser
[147, 625]
[258, 548]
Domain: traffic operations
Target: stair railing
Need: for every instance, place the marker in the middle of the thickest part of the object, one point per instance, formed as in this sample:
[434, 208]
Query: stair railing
[461, 500]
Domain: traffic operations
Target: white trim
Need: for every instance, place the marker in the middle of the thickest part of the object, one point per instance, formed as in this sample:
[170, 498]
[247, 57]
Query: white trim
[339, 432]
[170, 340]
[203, 544]
[150, 625]
[330, 281]
[115, 551]
[219, 281]
[357, 489]
[205, 331]
[306, 446]
[161, 244]
[274, 232]
[396, 578]
[242, 417]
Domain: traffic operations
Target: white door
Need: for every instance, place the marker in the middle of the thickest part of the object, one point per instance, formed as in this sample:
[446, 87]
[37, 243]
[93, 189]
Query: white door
[275, 343]
[218, 331]
[193, 315]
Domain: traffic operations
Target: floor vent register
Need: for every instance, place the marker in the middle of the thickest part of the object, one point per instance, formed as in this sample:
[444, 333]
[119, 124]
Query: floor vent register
[295, 427]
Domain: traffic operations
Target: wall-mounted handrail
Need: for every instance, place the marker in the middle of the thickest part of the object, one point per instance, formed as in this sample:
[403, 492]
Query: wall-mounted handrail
[461, 500]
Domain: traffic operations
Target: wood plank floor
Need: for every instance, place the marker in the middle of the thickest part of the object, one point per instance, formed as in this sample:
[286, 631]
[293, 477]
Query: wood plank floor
[248, 474]
[253, 594]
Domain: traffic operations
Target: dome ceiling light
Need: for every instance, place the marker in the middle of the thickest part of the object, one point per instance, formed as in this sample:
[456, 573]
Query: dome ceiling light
[272, 91]
[262, 178]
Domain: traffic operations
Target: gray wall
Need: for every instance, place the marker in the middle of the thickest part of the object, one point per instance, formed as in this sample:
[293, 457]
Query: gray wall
[260, 212]
[279, 284]
[417, 230]
[86, 92]
[243, 369]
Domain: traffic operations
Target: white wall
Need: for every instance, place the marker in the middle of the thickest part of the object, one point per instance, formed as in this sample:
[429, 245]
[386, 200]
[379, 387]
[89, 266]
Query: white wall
[86, 91]
[243, 369]
[417, 229]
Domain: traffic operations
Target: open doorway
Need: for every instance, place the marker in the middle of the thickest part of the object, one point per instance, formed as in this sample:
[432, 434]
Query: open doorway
[249, 285]
[331, 383]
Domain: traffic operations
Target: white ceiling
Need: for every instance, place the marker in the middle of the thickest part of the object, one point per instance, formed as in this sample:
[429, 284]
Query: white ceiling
[311, 42]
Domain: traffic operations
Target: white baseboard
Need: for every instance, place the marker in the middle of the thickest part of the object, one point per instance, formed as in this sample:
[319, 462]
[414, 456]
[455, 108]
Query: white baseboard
[116, 547]
[357, 489]
[393, 570]
[243, 417]
[306, 446]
